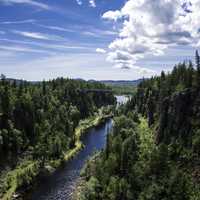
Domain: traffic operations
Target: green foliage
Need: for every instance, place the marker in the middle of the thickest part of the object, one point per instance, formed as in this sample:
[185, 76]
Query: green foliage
[136, 168]
[92, 189]
[153, 152]
[38, 121]
[21, 176]
[123, 89]
[171, 102]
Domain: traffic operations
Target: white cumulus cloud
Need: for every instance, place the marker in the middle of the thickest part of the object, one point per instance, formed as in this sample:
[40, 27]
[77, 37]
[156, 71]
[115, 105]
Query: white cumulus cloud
[92, 3]
[79, 2]
[100, 50]
[112, 15]
[150, 27]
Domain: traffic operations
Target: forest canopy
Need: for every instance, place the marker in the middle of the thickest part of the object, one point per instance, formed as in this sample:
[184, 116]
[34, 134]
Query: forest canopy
[153, 151]
[38, 122]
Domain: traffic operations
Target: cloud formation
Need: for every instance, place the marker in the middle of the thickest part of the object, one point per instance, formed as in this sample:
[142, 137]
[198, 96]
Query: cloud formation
[18, 22]
[40, 36]
[100, 50]
[56, 28]
[49, 46]
[17, 48]
[150, 27]
[27, 2]
[33, 35]
[92, 3]
[79, 2]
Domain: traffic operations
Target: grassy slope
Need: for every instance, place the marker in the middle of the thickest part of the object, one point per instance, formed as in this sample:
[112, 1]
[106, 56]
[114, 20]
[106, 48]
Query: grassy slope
[81, 129]
[23, 174]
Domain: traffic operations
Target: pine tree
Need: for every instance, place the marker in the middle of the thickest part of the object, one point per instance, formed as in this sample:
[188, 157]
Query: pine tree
[197, 77]
[190, 73]
[197, 59]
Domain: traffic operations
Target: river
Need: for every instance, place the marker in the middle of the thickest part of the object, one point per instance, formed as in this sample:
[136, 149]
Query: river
[122, 99]
[60, 185]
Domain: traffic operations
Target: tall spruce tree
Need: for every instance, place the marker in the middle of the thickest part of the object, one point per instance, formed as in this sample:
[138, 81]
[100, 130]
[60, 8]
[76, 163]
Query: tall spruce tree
[197, 59]
[197, 77]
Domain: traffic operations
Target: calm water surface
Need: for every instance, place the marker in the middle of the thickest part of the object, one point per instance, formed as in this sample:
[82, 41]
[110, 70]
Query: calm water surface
[60, 185]
[122, 99]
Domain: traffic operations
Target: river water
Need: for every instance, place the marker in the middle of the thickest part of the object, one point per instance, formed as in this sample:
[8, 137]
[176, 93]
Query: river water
[60, 185]
[121, 99]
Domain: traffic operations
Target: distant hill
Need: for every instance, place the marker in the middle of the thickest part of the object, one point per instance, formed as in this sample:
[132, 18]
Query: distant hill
[122, 82]
[121, 87]
[19, 81]
[106, 82]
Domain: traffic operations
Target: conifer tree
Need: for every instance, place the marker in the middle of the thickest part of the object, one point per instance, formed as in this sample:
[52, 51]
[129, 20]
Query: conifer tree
[197, 77]
[197, 59]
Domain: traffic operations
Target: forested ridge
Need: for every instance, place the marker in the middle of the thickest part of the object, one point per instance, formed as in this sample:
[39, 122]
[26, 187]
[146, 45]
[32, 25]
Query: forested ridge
[153, 152]
[37, 124]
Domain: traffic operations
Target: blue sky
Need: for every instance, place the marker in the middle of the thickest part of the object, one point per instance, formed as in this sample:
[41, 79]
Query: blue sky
[90, 39]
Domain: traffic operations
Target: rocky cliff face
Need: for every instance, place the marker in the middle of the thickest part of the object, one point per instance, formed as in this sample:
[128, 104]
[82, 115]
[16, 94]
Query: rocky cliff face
[179, 116]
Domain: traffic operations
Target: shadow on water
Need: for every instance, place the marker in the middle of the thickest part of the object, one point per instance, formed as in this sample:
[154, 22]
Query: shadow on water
[60, 185]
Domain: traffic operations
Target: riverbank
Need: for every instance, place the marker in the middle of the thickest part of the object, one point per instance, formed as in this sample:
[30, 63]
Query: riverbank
[82, 183]
[25, 174]
[88, 182]
[83, 127]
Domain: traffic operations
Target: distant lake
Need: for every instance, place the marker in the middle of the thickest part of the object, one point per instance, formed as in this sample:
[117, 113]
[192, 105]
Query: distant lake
[122, 99]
